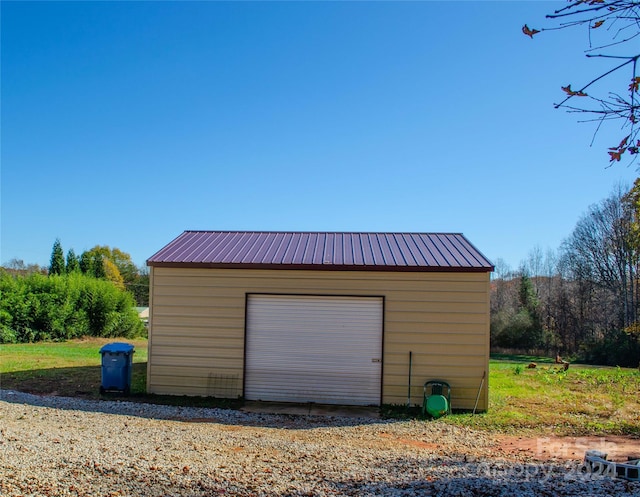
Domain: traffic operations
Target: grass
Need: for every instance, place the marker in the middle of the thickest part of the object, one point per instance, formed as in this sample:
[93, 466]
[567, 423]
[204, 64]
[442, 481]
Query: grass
[584, 400]
[518, 359]
[74, 369]
[65, 368]
[44, 355]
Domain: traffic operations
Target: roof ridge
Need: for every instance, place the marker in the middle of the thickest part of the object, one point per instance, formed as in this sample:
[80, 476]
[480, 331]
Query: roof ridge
[331, 232]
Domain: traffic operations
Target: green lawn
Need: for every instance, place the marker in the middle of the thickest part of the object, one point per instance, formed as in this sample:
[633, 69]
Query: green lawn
[584, 400]
[43, 355]
[65, 368]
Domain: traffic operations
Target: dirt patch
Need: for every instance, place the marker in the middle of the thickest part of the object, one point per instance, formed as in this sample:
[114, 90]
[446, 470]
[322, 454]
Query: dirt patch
[618, 448]
[412, 443]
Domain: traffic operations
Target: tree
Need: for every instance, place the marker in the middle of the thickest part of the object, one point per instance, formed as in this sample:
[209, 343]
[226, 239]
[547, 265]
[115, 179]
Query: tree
[112, 274]
[98, 266]
[610, 26]
[120, 259]
[632, 204]
[532, 335]
[584, 300]
[140, 287]
[92, 264]
[56, 266]
[119, 268]
[16, 265]
[515, 313]
[600, 252]
[86, 263]
[73, 264]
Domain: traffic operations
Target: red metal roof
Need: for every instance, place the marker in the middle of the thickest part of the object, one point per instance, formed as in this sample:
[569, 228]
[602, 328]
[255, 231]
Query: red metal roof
[322, 250]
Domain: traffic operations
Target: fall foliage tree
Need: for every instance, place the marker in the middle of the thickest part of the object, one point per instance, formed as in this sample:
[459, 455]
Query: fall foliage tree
[613, 29]
[112, 273]
[116, 266]
[120, 259]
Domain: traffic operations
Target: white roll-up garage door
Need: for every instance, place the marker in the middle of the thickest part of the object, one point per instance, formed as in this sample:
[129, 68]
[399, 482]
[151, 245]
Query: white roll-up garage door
[322, 349]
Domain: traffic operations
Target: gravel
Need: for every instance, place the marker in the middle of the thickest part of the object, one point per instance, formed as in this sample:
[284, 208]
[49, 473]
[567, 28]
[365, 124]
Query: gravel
[57, 446]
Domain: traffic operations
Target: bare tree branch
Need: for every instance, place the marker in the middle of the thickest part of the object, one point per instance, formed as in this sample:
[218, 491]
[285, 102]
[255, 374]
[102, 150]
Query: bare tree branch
[619, 21]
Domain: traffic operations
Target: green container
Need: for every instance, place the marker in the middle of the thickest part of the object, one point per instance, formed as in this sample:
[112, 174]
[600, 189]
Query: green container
[437, 406]
[437, 398]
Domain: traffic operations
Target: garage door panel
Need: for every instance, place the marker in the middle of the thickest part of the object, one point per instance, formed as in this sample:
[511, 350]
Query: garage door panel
[312, 386]
[314, 349]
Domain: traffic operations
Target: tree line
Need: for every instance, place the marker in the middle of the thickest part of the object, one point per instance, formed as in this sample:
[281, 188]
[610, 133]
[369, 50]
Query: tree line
[582, 300]
[94, 294]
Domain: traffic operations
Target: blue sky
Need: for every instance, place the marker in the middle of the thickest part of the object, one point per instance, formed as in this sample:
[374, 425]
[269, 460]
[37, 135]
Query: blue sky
[125, 123]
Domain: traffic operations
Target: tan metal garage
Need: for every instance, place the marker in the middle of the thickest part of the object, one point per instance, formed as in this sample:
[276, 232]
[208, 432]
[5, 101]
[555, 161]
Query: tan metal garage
[318, 317]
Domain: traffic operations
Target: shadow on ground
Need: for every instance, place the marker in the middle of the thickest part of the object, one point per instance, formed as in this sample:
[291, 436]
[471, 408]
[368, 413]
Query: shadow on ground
[83, 381]
[78, 388]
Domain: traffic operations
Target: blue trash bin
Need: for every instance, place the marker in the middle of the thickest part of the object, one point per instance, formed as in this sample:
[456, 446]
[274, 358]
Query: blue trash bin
[117, 363]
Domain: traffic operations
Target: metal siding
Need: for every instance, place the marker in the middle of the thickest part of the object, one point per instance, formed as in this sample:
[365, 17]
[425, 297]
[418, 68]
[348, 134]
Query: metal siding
[214, 302]
[314, 349]
[152, 304]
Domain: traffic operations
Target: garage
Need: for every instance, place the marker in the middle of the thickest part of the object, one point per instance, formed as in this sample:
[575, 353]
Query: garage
[321, 349]
[327, 317]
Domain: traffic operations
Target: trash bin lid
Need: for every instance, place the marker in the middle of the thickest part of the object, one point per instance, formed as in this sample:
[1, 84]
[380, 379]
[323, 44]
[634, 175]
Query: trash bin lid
[117, 348]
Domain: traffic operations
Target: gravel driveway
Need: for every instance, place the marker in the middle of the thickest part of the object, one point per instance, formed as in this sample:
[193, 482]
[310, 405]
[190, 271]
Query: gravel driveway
[55, 446]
